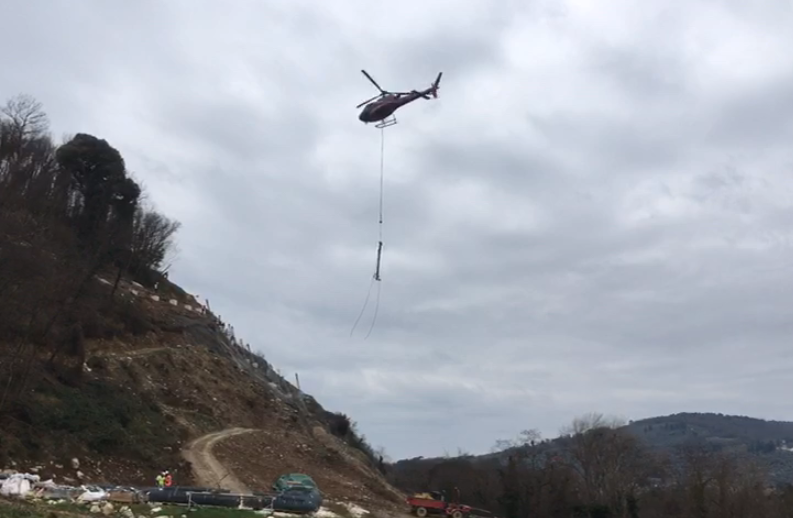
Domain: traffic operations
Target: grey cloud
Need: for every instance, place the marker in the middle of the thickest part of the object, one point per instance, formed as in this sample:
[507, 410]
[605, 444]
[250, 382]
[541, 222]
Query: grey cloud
[624, 249]
[761, 117]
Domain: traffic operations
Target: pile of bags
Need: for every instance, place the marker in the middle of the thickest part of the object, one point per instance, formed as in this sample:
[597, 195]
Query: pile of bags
[17, 484]
[24, 485]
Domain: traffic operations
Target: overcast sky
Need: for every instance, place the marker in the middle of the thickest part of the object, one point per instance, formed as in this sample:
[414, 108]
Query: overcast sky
[594, 215]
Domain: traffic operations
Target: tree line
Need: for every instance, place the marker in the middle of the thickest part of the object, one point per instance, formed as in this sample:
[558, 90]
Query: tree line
[599, 469]
[68, 212]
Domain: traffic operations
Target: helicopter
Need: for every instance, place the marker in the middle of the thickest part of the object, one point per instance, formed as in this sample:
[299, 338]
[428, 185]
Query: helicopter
[382, 110]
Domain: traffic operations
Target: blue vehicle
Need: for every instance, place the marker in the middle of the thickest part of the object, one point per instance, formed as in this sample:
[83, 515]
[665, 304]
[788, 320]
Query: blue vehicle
[296, 492]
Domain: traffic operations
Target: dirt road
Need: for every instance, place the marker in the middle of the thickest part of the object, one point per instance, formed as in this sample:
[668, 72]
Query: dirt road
[131, 354]
[207, 470]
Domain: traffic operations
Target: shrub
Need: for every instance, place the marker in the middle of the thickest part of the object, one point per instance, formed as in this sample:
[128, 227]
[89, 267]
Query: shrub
[339, 424]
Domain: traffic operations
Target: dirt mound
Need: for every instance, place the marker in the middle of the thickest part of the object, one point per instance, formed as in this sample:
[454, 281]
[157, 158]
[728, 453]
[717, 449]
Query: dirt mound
[259, 457]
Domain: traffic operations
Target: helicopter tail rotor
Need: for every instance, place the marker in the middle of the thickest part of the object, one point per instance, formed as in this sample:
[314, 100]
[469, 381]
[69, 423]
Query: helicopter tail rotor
[435, 85]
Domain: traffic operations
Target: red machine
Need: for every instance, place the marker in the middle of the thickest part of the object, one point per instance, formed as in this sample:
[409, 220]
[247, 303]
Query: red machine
[434, 503]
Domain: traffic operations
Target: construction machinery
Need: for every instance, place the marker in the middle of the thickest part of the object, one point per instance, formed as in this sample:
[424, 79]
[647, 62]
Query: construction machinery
[434, 502]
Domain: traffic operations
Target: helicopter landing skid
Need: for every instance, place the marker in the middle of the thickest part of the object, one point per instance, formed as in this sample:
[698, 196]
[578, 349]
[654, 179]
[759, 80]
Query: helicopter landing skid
[389, 121]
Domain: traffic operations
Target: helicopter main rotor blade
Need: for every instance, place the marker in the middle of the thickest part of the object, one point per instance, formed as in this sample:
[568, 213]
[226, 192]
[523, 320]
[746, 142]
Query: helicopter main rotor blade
[369, 100]
[372, 80]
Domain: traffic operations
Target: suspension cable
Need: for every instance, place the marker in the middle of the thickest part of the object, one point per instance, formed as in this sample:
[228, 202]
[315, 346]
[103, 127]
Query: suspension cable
[376, 276]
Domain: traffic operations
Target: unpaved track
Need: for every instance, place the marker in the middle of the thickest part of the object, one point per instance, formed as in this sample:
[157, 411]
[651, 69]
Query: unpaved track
[131, 354]
[207, 470]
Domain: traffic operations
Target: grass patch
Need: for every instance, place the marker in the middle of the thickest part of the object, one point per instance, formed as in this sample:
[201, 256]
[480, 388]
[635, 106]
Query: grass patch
[9, 509]
[199, 512]
[21, 512]
[105, 419]
[72, 510]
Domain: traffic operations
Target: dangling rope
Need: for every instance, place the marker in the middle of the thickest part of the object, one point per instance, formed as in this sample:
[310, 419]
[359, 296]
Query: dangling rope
[376, 276]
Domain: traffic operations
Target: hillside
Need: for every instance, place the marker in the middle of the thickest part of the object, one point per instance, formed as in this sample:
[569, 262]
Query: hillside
[109, 370]
[756, 435]
[770, 442]
[667, 451]
[144, 395]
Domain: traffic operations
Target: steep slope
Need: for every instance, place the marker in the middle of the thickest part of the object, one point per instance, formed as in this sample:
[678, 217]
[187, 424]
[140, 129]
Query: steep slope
[181, 393]
[105, 380]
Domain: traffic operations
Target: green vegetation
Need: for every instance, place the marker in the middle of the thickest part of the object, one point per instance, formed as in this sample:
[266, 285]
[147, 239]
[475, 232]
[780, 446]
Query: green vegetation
[21, 512]
[206, 512]
[9, 509]
[200, 512]
[101, 417]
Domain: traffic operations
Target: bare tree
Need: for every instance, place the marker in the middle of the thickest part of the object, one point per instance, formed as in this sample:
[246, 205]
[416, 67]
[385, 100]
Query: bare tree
[152, 238]
[608, 460]
[26, 116]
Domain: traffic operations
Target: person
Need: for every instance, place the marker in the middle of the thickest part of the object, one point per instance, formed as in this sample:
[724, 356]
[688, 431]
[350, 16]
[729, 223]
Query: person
[168, 480]
[160, 479]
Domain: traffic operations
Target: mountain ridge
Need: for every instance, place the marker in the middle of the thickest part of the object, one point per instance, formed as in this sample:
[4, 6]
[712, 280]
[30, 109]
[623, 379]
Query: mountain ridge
[770, 442]
[704, 425]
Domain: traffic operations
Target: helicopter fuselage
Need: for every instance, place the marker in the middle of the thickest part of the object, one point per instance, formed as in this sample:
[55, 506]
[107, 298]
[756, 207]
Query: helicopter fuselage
[383, 108]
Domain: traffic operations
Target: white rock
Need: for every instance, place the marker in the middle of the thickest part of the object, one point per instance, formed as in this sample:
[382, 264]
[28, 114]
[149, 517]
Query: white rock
[95, 509]
[80, 475]
[108, 509]
[75, 463]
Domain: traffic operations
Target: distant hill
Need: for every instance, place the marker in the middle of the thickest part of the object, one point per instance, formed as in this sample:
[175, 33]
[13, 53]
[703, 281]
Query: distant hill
[690, 464]
[770, 442]
[723, 431]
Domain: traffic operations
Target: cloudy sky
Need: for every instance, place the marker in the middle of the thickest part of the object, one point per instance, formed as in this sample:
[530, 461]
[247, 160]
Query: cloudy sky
[595, 215]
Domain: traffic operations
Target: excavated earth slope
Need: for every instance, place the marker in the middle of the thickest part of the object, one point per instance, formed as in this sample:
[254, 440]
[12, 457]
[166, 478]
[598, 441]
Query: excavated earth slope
[179, 382]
